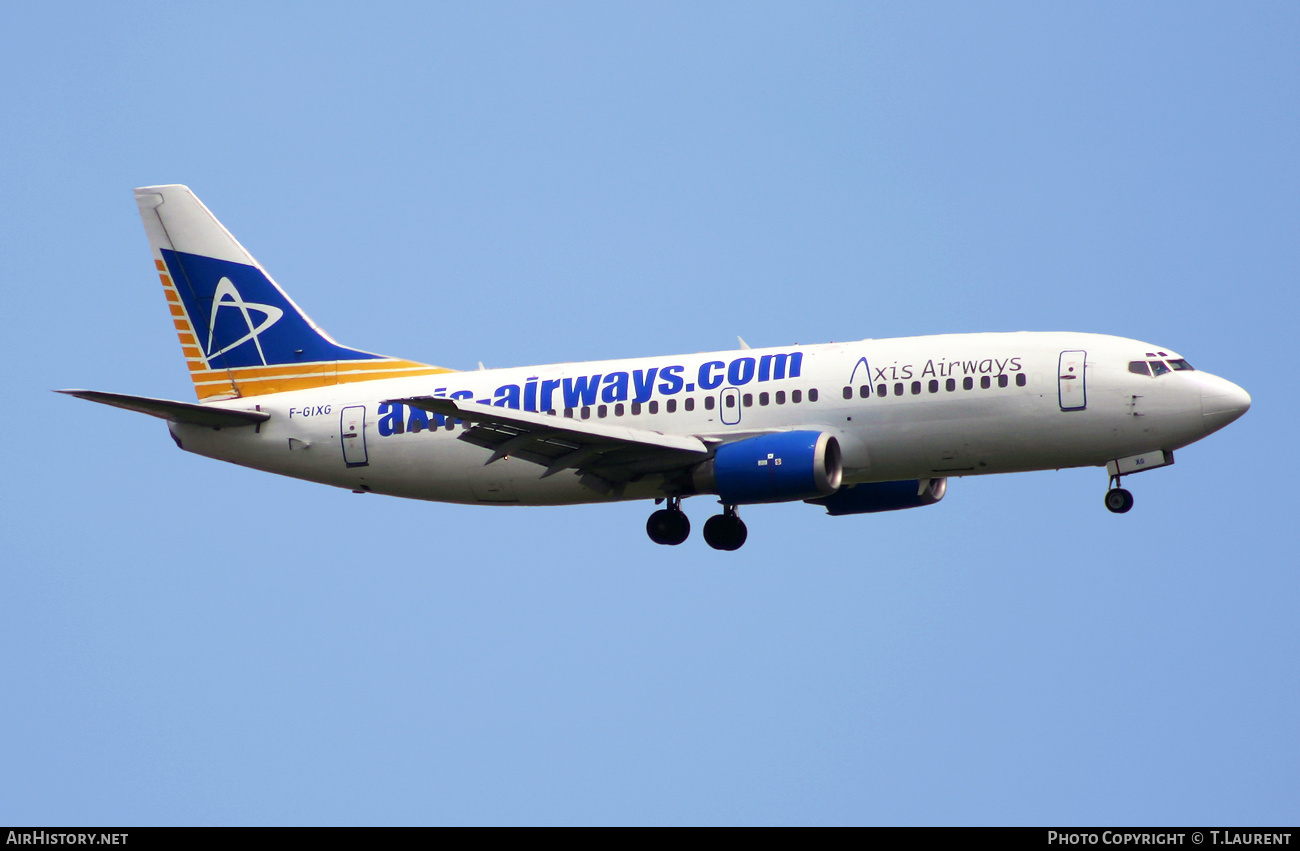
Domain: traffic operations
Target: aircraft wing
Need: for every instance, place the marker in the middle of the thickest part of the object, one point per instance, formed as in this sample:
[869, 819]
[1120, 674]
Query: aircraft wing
[607, 456]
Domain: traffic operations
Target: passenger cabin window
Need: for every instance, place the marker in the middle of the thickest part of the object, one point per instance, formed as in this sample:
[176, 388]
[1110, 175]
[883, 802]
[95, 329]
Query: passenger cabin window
[708, 403]
[690, 403]
[796, 396]
[1020, 379]
[882, 389]
[812, 395]
[780, 397]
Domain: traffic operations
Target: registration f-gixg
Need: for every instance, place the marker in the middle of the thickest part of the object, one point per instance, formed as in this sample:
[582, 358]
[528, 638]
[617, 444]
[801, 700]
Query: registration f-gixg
[861, 427]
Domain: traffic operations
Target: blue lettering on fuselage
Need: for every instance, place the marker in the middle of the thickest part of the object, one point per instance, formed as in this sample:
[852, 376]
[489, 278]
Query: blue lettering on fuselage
[671, 380]
[639, 385]
[615, 387]
[708, 379]
[643, 382]
[581, 391]
[539, 394]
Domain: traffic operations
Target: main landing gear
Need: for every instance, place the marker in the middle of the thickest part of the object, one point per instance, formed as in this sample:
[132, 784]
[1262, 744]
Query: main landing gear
[725, 531]
[1118, 500]
[670, 526]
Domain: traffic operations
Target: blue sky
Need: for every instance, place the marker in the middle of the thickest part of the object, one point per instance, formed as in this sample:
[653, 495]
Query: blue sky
[185, 642]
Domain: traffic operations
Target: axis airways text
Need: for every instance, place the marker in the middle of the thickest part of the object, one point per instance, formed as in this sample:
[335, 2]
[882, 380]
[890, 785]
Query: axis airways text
[641, 385]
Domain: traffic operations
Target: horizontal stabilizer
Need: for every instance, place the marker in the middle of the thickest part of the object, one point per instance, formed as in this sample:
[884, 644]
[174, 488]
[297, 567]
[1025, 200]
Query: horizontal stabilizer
[179, 412]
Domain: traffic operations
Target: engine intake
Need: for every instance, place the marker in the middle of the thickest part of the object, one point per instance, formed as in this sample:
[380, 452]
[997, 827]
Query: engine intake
[772, 468]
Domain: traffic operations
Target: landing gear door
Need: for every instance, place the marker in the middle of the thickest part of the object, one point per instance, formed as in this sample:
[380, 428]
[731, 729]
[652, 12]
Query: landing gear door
[1072, 381]
[352, 434]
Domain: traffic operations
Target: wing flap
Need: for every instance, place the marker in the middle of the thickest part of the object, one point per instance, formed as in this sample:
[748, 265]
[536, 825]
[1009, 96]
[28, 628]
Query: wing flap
[606, 453]
[530, 421]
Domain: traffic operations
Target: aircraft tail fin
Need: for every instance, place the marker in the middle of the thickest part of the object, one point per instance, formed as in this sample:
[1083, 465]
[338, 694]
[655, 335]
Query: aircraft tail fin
[240, 333]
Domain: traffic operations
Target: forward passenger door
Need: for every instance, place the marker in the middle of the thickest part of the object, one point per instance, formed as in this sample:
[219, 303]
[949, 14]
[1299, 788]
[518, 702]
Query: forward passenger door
[1071, 381]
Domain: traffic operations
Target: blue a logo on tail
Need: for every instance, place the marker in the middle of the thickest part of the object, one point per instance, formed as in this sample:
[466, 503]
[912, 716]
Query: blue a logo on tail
[240, 318]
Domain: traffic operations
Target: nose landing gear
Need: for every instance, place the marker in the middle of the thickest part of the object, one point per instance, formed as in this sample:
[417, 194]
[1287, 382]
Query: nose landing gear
[1118, 500]
[669, 526]
[725, 531]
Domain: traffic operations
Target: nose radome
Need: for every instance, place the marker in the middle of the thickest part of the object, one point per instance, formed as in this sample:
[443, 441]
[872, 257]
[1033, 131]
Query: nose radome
[1221, 402]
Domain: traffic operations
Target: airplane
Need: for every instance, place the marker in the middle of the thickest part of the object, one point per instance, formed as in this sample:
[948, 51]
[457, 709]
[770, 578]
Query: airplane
[855, 428]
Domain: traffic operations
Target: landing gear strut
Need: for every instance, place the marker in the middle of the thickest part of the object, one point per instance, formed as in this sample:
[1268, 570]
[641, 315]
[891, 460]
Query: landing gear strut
[669, 526]
[725, 531]
[1118, 500]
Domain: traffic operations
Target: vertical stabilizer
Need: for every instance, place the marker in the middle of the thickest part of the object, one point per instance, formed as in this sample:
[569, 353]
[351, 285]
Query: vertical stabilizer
[240, 334]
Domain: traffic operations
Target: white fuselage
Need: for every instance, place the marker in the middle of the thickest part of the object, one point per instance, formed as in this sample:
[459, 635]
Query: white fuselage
[952, 405]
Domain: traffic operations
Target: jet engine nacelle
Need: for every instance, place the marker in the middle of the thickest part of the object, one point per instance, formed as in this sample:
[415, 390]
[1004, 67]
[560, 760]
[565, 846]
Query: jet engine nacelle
[883, 496]
[772, 468]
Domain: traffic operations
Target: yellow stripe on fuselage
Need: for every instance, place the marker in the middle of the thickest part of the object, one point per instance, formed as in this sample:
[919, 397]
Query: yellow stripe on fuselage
[211, 384]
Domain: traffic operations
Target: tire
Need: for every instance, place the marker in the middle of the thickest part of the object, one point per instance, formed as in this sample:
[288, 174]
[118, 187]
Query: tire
[668, 527]
[1118, 501]
[724, 532]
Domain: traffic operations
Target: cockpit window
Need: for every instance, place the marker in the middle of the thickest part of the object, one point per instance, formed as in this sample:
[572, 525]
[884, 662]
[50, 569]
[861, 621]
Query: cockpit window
[1156, 368]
